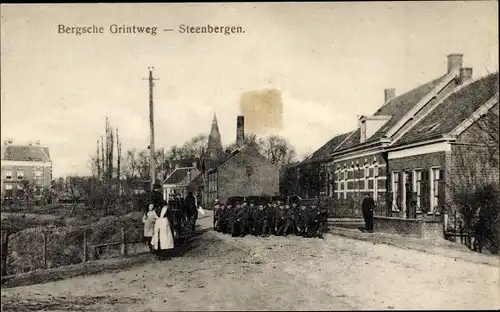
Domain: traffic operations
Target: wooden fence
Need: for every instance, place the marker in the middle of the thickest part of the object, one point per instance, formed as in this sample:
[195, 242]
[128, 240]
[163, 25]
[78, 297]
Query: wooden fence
[93, 251]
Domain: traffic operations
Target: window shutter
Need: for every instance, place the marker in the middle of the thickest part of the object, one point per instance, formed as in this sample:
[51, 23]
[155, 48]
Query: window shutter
[425, 191]
[441, 191]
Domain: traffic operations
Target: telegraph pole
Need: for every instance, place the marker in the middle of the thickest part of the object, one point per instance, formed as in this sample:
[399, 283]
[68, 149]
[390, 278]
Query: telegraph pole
[152, 162]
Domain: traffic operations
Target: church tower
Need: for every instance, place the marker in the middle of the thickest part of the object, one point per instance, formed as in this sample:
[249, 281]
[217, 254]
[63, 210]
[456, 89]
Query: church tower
[214, 146]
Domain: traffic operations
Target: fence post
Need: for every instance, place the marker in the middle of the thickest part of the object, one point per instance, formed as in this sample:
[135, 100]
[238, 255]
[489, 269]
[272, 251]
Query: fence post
[5, 252]
[124, 246]
[44, 250]
[85, 254]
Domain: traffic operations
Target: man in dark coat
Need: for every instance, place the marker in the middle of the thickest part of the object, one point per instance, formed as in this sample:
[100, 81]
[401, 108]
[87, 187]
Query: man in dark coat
[290, 219]
[191, 210]
[313, 221]
[217, 213]
[368, 206]
[260, 220]
[323, 223]
[302, 220]
[280, 219]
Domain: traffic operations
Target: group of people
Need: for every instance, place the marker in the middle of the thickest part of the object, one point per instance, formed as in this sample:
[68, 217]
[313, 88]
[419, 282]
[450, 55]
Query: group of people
[274, 217]
[164, 222]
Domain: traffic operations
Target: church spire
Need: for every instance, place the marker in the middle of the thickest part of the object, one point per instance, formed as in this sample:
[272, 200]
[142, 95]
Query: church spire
[214, 145]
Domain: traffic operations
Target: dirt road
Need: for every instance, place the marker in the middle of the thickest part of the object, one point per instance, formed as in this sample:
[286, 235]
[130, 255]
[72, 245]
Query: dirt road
[219, 272]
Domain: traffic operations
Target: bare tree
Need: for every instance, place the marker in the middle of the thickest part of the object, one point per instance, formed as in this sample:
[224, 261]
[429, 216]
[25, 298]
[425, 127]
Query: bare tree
[98, 161]
[28, 192]
[103, 158]
[278, 150]
[119, 156]
[74, 187]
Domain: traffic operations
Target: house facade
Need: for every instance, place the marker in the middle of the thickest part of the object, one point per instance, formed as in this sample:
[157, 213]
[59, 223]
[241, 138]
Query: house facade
[245, 173]
[177, 182]
[407, 154]
[25, 166]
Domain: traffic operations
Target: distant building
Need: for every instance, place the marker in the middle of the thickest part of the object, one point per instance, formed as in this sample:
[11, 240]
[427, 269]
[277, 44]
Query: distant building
[243, 172]
[263, 111]
[20, 163]
[177, 182]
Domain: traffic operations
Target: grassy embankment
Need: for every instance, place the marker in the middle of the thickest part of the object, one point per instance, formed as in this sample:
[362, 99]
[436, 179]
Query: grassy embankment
[65, 230]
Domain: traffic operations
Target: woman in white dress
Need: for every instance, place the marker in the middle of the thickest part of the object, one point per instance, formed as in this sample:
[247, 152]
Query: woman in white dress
[163, 240]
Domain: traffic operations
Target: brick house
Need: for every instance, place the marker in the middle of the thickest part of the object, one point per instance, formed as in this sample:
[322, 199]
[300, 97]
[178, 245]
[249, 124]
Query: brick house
[406, 154]
[20, 163]
[243, 172]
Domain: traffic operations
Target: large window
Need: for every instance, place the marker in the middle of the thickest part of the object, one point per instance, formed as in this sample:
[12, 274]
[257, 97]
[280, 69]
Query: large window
[339, 182]
[20, 174]
[375, 180]
[435, 177]
[345, 181]
[406, 189]
[38, 172]
[395, 191]
[8, 174]
[8, 187]
[367, 176]
[417, 188]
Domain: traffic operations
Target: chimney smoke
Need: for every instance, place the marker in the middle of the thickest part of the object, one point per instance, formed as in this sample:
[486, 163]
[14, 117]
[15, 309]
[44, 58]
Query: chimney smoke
[240, 131]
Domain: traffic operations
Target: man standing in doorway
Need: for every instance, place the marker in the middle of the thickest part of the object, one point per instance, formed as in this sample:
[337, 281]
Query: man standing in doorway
[368, 206]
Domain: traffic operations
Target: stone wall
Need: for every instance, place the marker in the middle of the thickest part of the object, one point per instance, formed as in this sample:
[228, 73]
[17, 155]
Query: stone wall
[417, 228]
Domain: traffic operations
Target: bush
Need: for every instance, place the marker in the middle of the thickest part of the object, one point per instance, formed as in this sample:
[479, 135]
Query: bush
[480, 211]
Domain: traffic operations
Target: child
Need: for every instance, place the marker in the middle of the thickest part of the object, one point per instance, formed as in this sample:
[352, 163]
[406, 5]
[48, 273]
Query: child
[149, 219]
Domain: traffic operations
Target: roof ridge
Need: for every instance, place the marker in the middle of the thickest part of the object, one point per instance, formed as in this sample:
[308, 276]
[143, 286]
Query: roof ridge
[455, 90]
[43, 150]
[350, 134]
[446, 79]
[490, 103]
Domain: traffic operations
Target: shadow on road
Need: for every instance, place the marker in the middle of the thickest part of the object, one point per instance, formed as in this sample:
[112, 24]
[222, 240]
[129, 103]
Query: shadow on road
[183, 246]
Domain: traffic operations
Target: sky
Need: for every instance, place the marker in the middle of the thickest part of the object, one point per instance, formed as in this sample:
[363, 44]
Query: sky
[331, 61]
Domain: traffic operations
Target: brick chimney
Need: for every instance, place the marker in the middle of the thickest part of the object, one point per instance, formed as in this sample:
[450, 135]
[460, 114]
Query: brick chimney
[10, 141]
[240, 131]
[389, 94]
[37, 142]
[465, 74]
[455, 61]
[30, 143]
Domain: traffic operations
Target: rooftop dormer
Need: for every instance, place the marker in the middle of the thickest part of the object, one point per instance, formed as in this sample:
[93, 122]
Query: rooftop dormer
[371, 124]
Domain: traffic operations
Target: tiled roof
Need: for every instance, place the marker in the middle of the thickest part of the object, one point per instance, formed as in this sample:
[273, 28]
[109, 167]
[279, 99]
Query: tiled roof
[397, 108]
[196, 182]
[177, 176]
[326, 149]
[244, 148]
[453, 110]
[26, 153]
